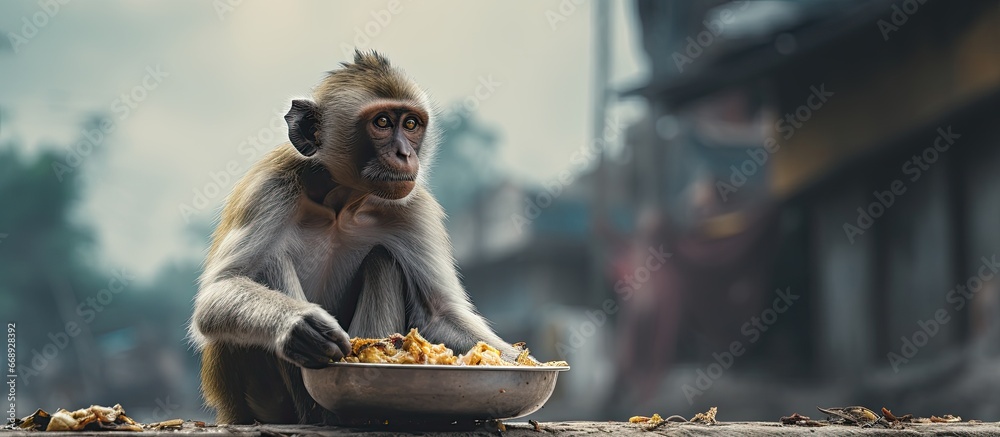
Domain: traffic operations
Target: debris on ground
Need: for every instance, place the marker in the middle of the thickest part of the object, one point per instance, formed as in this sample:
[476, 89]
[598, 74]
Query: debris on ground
[895, 419]
[855, 415]
[647, 420]
[800, 420]
[497, 425]
[863, 417]
[168, 424]
[707, 417]
[656, 421]
[94, 418]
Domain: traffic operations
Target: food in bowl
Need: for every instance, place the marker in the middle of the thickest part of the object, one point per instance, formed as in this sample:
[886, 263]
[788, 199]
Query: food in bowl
[415, 349]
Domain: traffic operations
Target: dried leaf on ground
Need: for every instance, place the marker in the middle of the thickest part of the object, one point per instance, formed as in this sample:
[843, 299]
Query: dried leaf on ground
[854, 415]
[795, 417]
[894, 418]
[707, 417]
[800, 420]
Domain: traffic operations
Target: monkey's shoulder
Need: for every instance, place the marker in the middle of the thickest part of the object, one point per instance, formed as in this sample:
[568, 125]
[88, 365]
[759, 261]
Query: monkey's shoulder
[266, 191]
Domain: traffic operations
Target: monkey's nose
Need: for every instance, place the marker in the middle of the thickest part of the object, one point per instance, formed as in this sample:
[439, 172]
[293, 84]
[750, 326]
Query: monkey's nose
[404, 159]
[403, 152]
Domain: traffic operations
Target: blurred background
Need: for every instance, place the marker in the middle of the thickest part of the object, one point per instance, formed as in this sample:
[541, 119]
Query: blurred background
[762, 206]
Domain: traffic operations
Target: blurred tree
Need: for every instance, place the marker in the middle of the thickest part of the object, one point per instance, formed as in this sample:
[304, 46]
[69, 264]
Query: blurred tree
[125, 347]
[466, 161]
[40, 241]
[45, 258]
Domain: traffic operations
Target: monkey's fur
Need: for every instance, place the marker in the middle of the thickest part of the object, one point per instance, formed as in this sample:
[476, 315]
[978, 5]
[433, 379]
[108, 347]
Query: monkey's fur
[329, 236]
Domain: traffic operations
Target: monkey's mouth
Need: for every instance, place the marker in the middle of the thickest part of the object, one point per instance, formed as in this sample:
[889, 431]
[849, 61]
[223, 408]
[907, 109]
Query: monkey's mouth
[389, 184]
[379, 174]
[394, 178]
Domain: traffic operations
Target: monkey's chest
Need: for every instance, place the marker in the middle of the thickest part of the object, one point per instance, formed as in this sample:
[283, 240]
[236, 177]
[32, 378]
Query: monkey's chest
[325, 263]
[331, 246]
[327, 259]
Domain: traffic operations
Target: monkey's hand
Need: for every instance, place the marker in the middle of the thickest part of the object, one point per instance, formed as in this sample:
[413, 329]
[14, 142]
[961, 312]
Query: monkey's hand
[510, 354]
[313, 340]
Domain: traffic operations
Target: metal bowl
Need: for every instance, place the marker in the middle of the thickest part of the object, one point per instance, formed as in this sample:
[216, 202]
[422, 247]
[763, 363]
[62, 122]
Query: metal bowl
[431, 393]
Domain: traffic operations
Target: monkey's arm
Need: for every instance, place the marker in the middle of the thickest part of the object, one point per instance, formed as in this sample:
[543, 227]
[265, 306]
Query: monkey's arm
[250, 294]
[238, 310]
[444, 312]
[461, 329]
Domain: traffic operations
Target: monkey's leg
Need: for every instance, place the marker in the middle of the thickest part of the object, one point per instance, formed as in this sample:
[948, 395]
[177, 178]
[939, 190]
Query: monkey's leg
[381, 308]
[243, 385]
[306, 409]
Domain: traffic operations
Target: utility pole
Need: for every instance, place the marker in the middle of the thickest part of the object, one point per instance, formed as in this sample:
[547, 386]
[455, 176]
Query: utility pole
[599, 217]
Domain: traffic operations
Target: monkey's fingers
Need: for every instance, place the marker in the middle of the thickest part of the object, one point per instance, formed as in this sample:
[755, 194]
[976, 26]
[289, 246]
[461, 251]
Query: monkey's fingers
[334, 334]
[310, 358]
[308, 347]
[343, 341]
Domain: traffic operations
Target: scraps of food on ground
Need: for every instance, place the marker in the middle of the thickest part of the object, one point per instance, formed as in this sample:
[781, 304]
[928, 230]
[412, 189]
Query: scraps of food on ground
[864, 417]
[656, 421]
[93, 418]
[850, 416]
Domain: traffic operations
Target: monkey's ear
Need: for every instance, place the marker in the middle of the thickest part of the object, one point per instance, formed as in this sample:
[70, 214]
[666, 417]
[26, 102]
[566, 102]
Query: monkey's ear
[303, 120]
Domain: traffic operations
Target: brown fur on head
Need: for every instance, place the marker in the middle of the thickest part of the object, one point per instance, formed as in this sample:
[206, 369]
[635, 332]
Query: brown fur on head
[357, 125]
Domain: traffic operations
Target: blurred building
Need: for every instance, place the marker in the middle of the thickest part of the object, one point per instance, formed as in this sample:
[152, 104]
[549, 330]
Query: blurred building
[523, 264]
[845, 150]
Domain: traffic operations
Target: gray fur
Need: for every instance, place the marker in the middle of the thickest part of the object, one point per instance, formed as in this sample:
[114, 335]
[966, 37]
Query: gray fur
[280, 259]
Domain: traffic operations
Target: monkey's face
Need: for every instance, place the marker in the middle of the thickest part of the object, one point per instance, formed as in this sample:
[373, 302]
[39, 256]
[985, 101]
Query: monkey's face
[369, 125]
[381, 143]
[388, 157]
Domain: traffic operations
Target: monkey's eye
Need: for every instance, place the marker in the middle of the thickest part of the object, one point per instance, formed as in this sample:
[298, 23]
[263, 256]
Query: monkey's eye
[410, 124]
[382, 122]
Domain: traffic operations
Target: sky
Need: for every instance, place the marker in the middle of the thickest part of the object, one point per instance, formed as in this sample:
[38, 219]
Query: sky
[195, 91]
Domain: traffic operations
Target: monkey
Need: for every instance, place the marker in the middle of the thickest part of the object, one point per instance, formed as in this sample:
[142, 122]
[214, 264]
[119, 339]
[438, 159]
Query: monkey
[331, 235]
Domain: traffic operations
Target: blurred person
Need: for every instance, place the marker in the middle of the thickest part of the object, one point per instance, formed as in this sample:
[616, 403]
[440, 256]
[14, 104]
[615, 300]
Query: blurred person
[649, 313]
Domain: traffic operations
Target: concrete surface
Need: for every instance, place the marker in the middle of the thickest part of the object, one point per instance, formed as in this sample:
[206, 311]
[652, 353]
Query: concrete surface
[570, 429]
